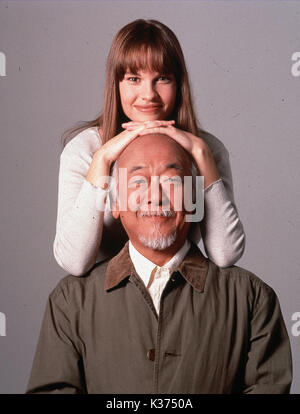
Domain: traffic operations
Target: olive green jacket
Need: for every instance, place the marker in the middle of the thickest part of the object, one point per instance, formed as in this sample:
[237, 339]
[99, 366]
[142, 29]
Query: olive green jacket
[219, 330]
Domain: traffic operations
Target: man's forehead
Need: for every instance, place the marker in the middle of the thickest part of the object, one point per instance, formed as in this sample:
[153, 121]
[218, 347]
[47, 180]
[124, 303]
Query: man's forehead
[154, 149]
[178, 167]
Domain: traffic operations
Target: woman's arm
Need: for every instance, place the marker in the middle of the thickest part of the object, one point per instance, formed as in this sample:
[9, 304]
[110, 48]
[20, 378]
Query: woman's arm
[79, 218]
[221, 228]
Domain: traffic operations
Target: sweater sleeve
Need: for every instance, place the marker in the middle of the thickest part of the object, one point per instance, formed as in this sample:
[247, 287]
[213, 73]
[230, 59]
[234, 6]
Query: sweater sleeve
[80, 213]
[221, 228]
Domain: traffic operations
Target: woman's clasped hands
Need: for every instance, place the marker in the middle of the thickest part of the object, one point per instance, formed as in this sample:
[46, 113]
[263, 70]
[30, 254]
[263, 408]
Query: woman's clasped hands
[193, 144]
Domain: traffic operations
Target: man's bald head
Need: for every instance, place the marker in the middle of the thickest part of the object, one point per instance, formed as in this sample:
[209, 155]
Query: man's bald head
[156, 145]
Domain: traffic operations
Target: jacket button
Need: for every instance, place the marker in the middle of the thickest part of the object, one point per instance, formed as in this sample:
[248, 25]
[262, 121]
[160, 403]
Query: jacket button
[151, 354]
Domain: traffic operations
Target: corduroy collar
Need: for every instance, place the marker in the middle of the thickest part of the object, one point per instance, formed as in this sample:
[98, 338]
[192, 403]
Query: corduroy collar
[193, 268]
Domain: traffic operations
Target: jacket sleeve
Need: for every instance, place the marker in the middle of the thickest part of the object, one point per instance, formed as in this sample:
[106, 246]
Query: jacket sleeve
[269, 363]
[57, 366]
[221, 229]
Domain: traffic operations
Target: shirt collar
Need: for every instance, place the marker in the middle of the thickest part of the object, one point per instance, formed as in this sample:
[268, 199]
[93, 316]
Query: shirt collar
[144, 266]
[193, 268]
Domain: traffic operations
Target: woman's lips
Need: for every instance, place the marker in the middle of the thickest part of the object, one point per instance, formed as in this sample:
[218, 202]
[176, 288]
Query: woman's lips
[147, 108]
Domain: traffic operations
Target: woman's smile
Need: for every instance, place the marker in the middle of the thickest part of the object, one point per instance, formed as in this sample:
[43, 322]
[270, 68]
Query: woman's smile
[147, 95]
[148, 108]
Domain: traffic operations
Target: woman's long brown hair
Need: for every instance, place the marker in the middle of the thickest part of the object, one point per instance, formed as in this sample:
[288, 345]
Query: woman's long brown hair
[141, 45]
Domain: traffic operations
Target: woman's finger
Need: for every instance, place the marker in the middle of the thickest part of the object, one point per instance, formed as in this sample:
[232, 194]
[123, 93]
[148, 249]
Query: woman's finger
[179, 136]
[159, 130]
[148, 124]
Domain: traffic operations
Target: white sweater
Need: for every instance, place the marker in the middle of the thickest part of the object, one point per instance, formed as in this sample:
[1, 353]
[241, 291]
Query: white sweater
[86, 235]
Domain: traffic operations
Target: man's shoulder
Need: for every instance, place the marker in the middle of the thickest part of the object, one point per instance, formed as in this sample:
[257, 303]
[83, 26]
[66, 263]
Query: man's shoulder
[242, 280]
[78, 285]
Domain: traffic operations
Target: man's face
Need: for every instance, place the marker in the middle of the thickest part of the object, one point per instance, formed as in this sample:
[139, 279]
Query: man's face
[154, 215]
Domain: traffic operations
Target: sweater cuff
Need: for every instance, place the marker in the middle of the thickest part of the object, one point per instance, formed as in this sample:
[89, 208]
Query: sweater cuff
[216, 194]
[91, 198]
[214, 184]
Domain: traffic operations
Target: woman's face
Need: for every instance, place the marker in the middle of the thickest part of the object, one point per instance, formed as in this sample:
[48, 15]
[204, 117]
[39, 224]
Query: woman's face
[147, 96]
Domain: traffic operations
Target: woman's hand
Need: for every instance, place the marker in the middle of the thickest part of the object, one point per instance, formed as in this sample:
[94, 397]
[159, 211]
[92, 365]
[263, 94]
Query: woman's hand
[103, 158]
[188, 141]
[148, 124]
[108, 153]
[196, 146]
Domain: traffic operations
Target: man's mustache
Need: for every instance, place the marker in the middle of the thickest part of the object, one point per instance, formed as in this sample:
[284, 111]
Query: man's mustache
[155, 213]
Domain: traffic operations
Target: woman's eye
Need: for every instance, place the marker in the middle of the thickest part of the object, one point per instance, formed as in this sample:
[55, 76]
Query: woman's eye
[164, 79]
[133, 79]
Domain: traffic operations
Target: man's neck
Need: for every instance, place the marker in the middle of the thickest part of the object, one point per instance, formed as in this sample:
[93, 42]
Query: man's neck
[158, 257]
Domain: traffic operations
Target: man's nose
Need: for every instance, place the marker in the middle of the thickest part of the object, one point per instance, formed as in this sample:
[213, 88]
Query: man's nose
[148, 91]
[156, 194]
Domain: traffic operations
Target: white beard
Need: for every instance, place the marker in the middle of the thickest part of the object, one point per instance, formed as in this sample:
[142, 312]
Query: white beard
[157, 241]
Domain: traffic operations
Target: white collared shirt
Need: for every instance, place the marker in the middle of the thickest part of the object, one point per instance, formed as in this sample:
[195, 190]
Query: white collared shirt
[144, 268]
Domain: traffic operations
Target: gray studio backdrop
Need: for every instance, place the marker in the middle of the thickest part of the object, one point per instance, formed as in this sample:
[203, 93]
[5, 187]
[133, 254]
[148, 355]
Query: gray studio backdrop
[246, 89]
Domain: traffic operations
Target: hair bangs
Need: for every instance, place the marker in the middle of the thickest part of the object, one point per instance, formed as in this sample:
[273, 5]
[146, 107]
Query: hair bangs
[152, 57]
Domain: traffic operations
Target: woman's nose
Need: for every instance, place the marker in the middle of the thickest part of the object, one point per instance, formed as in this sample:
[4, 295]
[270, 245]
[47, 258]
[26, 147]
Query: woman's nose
[148, 91]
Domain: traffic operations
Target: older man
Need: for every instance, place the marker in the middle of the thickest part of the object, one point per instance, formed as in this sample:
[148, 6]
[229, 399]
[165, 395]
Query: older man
[160, 317]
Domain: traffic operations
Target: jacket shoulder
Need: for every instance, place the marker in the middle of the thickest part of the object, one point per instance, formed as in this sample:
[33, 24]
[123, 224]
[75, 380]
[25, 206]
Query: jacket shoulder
[244, 282]
[78, 285]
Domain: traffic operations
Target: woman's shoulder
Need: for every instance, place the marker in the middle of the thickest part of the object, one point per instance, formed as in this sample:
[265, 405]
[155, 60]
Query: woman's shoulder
[214, 143]
[87, 141]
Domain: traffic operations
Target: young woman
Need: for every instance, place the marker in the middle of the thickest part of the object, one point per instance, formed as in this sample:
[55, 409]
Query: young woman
[147, 90]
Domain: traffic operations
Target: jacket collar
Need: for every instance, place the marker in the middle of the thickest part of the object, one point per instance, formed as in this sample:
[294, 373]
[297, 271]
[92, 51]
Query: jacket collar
[193, 268]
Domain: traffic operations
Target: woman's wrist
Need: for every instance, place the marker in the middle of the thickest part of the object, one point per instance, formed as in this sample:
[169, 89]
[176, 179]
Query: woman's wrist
[99, 170]
[206, 164]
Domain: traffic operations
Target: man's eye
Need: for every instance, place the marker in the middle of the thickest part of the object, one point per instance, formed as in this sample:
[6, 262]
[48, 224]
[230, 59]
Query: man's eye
[138, 181]
[173, 179]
